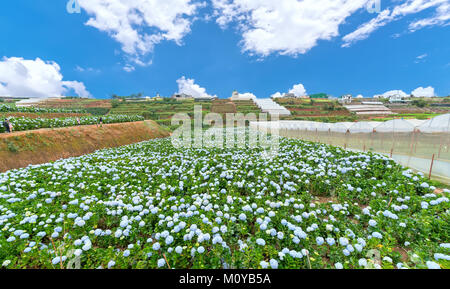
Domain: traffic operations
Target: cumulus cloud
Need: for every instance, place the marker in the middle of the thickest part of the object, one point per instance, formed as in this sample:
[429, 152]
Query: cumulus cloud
[277, 95]
[288, 27]
[441, 17]
[423, 92]
[35, 78]
[390, 93]
[138, 25]
[188, 86]
[247, 95]
[298, 90]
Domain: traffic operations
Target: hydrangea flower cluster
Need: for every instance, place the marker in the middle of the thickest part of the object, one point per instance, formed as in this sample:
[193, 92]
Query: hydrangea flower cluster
[150, 205]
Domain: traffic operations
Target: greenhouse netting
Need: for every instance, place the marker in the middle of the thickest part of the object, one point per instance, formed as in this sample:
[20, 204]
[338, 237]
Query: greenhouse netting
[421, 145]
[435, 125]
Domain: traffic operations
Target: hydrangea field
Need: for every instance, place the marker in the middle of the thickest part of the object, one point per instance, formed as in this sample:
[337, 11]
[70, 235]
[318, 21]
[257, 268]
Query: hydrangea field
[23, 123]
[149, 205]
[13, 108]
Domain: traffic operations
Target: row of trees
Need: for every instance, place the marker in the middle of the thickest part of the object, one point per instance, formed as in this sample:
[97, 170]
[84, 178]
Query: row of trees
[134, 95]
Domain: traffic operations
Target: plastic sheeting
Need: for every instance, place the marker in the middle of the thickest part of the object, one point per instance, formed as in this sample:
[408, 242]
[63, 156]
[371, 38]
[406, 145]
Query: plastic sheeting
[269, 106]
[425, 148]
[395, 125]
[363, 127]
[435, 125]
[416, 122]
[341, 127]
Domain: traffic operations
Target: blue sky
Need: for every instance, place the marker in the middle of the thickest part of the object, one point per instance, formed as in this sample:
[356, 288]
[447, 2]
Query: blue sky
[218, 58]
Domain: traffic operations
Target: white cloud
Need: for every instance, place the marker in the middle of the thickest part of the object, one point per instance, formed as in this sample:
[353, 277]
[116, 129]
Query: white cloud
[87, 69]
[138, 25]
[188, 86]
[288, 27]
[441, 18]
[390, 93]
[423, 92]
[247, 95]
[35, 78]
[277, 95]
[129, 68]
[298, 90]
[422, 56]
[389, 15]
[359, 96]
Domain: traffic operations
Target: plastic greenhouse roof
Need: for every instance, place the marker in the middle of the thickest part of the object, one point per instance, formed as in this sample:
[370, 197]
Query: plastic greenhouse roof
[363, 127]
[395, 125]
[438, 124]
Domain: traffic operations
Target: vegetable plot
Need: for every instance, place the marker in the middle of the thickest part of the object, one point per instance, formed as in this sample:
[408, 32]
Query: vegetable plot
[150, 205]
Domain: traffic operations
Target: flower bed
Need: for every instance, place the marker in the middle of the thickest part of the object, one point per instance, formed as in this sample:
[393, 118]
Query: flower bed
[150, 205]
[22, 123]
[13, 108]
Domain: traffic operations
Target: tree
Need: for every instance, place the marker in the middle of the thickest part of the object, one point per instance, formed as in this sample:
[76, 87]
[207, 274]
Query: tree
[115, 103]
[419, 102]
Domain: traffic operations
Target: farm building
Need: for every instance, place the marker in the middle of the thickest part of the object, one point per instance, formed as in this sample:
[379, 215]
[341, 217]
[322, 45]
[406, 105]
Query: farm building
[346, 98]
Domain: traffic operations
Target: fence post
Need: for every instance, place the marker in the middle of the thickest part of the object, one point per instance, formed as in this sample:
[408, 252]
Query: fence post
[392, 150]
[431, 167]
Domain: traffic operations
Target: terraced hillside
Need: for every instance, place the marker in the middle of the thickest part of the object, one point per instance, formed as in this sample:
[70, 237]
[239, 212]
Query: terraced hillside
[315, 110]
[236, 106]
[160, 111]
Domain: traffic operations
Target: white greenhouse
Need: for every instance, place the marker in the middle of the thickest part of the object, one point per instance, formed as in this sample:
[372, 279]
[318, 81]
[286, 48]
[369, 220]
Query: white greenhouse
[439, 124]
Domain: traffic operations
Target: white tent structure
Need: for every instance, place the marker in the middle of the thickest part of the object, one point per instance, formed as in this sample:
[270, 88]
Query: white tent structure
[438, 124]
[363, 127]
[395, 125]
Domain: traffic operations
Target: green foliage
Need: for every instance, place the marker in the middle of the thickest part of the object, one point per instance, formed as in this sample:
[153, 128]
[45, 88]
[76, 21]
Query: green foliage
[115, 103]
[12, 147]
[222, 208]
[97, 110]
[13, 108]
[23, 124]
[419, 102]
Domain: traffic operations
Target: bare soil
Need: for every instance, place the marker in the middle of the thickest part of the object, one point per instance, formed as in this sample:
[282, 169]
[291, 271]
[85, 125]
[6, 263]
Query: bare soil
[20, 149]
